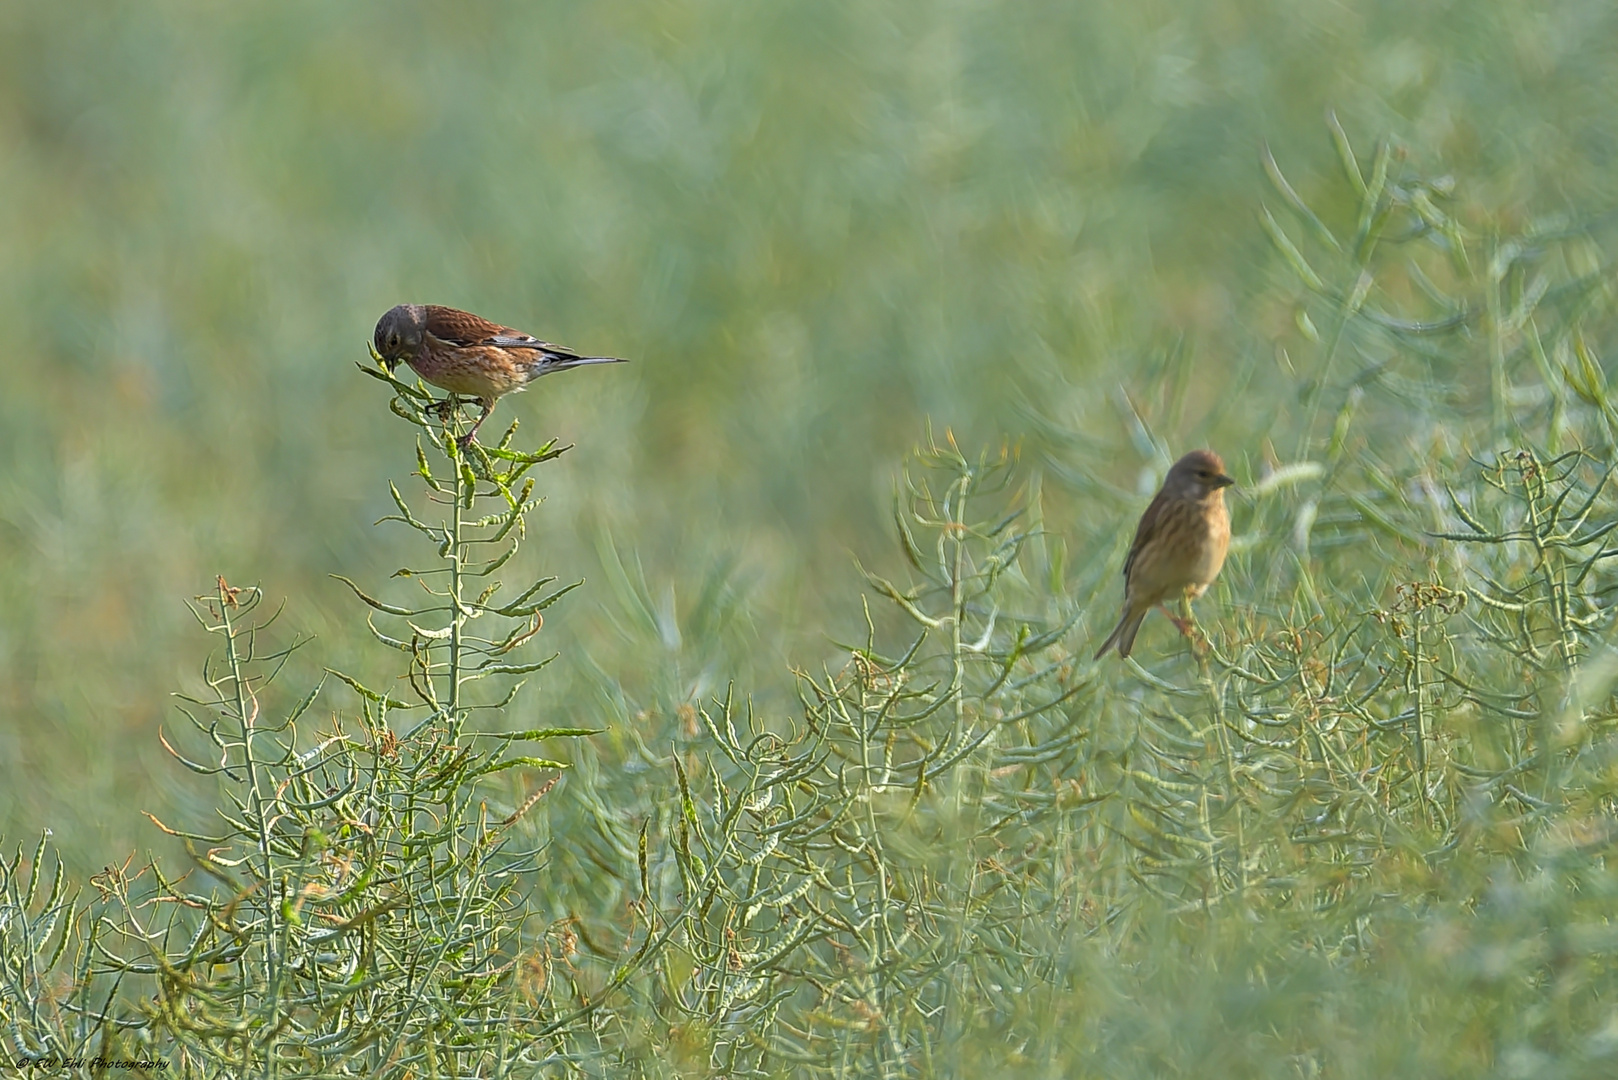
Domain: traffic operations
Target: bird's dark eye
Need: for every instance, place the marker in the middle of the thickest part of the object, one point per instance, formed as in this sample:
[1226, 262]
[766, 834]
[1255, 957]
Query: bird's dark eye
[393, 341]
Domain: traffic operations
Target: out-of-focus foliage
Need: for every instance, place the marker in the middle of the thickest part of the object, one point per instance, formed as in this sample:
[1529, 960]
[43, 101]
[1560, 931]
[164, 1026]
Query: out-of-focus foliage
[810, 225]
[1380, 801]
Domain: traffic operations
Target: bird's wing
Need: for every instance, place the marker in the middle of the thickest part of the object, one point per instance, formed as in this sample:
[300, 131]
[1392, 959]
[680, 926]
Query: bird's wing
[462, 328]
[465, 329]
[1147, 526]
[513, 340]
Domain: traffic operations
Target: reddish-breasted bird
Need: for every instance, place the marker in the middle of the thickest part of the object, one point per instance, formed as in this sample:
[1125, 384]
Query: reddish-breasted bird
[469, 355]
[1179, 545]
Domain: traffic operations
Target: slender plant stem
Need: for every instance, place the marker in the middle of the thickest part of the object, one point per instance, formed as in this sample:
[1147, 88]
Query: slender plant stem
[246, 717]
[464, 484]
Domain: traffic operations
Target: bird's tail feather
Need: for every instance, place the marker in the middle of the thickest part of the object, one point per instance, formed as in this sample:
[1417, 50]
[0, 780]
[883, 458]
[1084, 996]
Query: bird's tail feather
[1123, 635]
[552, 363]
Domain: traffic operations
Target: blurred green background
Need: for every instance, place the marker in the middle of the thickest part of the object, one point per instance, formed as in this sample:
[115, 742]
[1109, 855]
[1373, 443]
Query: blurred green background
[812, 225]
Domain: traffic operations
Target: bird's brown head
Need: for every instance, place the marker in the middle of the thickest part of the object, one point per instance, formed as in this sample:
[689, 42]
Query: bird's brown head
[1197, 475]
[398, 334]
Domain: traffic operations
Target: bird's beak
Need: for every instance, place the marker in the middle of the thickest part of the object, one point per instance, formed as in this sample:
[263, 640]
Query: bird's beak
[1222, 481]
[387, 364]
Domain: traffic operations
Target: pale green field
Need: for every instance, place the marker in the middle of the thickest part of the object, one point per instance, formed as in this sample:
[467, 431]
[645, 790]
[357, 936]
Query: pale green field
[817, 229]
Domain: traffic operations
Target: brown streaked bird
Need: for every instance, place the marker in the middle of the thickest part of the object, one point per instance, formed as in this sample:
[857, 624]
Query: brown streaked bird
[1179, 545]
[467, 354]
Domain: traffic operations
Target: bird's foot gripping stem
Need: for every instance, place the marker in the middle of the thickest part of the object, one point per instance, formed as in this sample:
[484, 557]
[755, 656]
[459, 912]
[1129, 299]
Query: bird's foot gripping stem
[471, 436]
[446, 409]
[1187, 625]
[1184, 626]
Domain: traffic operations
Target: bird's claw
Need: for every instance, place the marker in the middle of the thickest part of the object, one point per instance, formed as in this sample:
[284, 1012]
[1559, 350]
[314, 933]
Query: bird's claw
[1187, 626]
[1184, 626]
